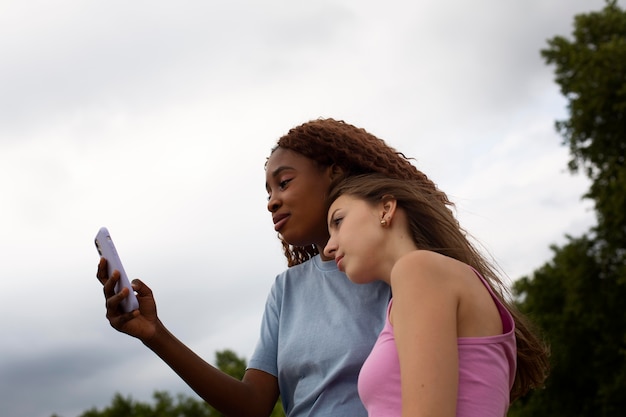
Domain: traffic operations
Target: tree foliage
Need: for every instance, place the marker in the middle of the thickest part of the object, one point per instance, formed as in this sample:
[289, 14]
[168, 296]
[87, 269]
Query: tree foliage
[165, 405]
[591, 72]
[578, 297]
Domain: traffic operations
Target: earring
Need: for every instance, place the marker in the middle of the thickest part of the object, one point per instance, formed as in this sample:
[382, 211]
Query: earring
[383, 222]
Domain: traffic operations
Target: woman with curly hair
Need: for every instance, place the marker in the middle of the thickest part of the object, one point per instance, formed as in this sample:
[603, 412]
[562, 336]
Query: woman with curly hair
[318, 327]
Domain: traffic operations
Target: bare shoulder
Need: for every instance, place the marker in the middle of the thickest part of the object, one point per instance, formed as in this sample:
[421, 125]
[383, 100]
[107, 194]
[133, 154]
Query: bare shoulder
[423, 270]
[419, 268]
[424, 285]
[435, 282]
[424, 258]
[424, 264]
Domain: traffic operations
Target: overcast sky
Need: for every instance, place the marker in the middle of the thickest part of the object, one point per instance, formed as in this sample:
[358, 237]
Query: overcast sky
[154, 118]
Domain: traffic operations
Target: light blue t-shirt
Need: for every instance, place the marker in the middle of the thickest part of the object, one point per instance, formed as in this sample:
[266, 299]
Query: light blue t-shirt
[317, 330]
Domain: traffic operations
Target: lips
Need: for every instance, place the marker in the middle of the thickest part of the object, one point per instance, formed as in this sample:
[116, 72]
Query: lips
[338, 260]
[279, 220]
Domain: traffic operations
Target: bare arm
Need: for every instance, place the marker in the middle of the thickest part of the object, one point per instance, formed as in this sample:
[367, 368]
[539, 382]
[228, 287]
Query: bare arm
[424, 317]
[255, 395]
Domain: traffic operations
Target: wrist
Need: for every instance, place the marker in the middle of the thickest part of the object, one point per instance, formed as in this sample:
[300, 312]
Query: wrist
[157, 337]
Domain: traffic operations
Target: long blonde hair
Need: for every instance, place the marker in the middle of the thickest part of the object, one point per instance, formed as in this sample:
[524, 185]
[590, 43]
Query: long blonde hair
[433, 227]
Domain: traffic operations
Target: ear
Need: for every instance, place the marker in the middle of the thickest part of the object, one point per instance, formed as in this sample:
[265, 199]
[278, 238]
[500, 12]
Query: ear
[335, 172]
[387, 208]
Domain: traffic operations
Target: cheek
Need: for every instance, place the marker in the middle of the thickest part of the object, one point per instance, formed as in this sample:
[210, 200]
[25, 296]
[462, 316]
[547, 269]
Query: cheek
[368, 246]
[363, 245]
[367, 237]
[316, 213]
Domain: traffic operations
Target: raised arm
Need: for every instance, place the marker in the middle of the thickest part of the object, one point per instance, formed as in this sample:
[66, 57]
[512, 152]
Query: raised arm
[255, 395]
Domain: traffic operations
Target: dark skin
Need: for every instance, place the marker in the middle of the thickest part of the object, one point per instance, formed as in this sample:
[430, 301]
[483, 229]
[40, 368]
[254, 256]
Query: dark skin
[225, 393]
[296, 189]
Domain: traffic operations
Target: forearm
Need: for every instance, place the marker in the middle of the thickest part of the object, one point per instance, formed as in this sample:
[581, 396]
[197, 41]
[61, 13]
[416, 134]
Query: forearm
[227, 394]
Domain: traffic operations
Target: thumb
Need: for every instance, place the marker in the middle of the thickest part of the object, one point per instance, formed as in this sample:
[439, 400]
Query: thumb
[141, 288]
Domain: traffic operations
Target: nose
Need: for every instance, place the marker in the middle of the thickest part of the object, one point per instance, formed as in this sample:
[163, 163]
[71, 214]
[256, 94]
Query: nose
[273, 203]
[330, 249]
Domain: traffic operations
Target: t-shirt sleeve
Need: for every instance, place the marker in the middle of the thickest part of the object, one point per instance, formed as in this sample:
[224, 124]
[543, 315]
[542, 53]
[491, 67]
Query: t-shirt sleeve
[265, 356]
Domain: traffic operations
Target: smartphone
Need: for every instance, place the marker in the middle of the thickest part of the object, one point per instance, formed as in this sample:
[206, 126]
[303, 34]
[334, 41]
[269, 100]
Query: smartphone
[107, 250]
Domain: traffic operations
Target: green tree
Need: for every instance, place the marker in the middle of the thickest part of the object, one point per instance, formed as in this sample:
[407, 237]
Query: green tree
[578, 297]
[164, 405]
[591, 72]
[235, 366]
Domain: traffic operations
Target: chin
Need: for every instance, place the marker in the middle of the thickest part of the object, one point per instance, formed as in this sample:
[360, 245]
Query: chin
[358, 279]
[293, 240]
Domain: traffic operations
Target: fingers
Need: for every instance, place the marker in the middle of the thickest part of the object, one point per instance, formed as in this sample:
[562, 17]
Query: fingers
[117, 320]
[113, 300]
[109, 284]
[102, 274]
[140, 288]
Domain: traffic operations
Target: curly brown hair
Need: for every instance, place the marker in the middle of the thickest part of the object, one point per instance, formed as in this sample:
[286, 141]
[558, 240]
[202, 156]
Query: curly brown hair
[334, 142]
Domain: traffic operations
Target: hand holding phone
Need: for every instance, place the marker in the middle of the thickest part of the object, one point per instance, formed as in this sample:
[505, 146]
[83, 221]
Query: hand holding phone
[107, 250]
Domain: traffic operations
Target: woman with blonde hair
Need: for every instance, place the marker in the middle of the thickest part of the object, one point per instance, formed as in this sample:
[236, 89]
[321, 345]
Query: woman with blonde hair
[317, 327]
[452, 344]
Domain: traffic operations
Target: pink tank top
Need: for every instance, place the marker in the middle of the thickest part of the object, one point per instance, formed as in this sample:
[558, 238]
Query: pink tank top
[486, 372]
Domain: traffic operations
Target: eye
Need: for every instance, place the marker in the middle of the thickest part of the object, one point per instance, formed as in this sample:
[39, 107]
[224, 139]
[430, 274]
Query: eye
[283, 184]
[336, 221]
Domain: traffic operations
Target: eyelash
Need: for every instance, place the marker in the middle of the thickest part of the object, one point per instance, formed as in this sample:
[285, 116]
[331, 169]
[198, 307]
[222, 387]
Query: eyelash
[281, 186]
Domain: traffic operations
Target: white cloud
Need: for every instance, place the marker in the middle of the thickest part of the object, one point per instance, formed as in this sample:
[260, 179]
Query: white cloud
[155, 119]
